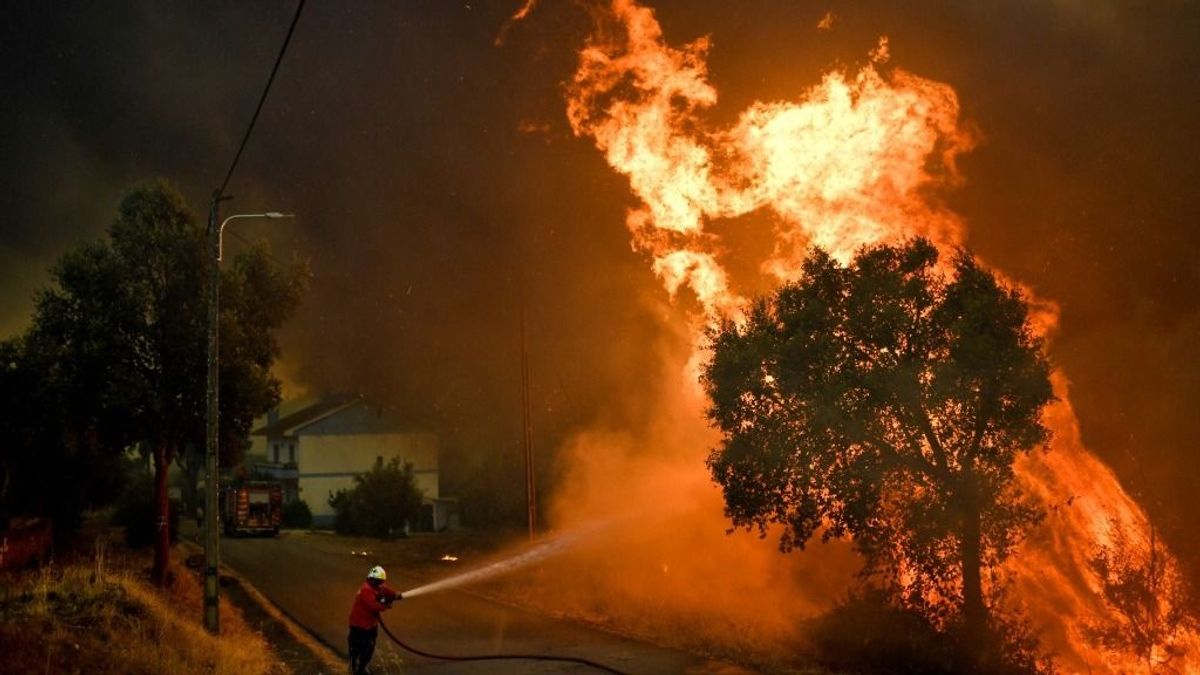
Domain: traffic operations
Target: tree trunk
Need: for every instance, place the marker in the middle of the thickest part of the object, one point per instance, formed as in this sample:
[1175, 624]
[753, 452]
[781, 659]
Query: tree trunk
[190, 462]
[970, 551]
[162, 506]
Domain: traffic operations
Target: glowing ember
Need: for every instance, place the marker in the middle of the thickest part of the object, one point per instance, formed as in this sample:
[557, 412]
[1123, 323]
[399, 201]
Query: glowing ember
[854, 161]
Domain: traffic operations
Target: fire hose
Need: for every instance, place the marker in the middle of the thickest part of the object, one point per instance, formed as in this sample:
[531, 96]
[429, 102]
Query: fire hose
[500, 657]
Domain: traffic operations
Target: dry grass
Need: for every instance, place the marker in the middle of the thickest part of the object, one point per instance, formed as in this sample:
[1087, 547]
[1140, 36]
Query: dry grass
[95, 615]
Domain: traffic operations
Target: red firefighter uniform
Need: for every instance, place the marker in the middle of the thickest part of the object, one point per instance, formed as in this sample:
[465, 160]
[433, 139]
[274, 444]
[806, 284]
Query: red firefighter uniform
[368, 603]
[373, 598]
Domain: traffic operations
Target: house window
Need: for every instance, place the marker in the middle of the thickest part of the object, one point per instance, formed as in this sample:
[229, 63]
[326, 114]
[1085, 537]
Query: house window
[275, 452]
[291, 453]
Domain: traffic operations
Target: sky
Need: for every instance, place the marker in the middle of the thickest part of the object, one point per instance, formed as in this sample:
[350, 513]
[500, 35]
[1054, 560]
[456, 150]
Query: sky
[436, 183]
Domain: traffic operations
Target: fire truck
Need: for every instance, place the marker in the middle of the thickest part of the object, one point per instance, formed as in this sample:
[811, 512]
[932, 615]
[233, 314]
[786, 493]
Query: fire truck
[26, 542]
[252, 508]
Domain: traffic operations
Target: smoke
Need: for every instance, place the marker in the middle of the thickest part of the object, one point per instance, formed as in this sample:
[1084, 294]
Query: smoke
[666, 568]
[859, 159]
[394, 132]
[546, 548]
[1085, 506]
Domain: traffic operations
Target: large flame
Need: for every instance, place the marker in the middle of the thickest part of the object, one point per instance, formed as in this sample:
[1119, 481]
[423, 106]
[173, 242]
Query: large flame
[857, 159]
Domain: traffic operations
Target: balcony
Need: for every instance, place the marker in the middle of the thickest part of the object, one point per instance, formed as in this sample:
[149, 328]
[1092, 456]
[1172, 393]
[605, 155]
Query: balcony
[277, 470]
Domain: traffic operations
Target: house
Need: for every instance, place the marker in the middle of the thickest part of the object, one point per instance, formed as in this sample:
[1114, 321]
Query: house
[318, 448]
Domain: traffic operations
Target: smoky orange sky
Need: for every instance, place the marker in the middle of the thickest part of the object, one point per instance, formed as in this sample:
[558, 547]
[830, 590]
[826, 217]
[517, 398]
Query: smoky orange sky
[432, 171]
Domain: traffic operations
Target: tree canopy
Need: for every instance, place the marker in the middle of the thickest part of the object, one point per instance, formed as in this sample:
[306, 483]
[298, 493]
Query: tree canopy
[51, 463]
[119, 339]
[382, 502]
[885, 400]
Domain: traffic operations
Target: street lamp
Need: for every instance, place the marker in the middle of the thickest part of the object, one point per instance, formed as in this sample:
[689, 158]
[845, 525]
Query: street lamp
[212, 540]
[221, 230]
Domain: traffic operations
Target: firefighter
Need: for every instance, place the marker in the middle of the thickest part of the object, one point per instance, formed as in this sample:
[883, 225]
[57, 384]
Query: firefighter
[372, 598]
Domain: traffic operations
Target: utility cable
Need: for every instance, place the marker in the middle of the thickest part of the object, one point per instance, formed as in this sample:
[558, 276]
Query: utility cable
[502, 657]
[263, 98]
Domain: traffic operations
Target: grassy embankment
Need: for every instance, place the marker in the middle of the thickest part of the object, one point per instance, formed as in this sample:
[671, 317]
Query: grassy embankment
[97, 614]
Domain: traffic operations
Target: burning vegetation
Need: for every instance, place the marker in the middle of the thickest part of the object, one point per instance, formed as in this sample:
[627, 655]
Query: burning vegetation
[921, 526]
[883, 402]
[854, 166]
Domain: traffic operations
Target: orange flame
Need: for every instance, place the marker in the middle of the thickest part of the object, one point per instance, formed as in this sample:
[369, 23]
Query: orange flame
[858, 159]
[520, 15]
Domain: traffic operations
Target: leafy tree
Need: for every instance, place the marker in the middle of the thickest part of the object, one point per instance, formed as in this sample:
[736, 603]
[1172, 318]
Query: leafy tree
[44, 469]
[123, 333]
[56, 433]
[382, 502]
[1149, 597]
[17, 382]
[885, 400]
[257, 297]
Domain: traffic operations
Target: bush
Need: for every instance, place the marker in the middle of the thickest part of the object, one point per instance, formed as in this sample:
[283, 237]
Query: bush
[136, 513]
[381, 504]
[868, 634]
[297, 514]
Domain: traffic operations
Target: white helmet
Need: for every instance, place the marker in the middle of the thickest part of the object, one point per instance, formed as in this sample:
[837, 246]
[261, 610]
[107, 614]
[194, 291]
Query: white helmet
[377, 573]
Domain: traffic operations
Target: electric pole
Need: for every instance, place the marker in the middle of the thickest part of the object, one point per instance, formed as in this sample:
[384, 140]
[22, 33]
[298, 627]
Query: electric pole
[212, 558]
[527, 430]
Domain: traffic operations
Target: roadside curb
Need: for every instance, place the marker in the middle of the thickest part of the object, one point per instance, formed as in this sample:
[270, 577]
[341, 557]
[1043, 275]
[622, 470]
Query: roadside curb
[328, 658]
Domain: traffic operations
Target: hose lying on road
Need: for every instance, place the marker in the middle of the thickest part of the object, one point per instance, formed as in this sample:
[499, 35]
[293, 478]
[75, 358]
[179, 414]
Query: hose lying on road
[500, 657]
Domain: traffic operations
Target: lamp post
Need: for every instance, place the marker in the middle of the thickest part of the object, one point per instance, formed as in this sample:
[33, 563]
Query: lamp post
[212, 540]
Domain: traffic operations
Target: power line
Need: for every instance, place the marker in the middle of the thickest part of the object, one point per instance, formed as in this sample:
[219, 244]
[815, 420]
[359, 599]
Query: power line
[263, 99]
[212, 542]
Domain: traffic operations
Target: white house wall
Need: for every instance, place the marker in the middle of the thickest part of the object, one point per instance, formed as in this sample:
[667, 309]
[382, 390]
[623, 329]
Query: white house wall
[328, 463]
[258, 443]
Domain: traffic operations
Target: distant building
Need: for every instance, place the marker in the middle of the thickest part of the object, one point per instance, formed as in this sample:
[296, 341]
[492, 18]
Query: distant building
[318, 449]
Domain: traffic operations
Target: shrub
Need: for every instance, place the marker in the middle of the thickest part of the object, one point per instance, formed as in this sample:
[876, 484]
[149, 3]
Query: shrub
[136, 513]
[381, 504]
[297, 514]
[868, 634]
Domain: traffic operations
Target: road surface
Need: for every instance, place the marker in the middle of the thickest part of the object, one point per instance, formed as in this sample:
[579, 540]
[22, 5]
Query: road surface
[313, 579]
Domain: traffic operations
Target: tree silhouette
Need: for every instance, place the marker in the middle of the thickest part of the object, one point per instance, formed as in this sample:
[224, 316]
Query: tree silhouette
[52, 460]
[122, 335]
[383, 502]
[885, 400]
[1148, 597]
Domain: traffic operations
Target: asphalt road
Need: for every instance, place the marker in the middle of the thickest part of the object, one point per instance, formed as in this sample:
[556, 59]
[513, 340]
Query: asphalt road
[314, 583]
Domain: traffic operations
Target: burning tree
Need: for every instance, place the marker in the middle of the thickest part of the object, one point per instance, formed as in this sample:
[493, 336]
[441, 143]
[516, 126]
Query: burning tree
[1149, 599]
[885, 400]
